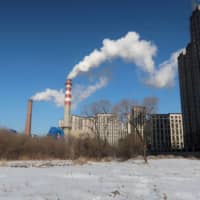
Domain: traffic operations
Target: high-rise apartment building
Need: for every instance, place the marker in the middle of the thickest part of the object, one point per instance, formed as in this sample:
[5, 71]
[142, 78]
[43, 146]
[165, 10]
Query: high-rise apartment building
[167, 132]
[106, 126]
[189, 78]
[110, 128]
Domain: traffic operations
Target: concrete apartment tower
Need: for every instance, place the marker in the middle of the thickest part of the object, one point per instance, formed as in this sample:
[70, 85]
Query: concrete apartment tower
[167, 132]
[189, 79]
[67, 125]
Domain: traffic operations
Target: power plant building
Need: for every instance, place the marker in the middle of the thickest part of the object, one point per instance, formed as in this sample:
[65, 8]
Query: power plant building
[189, 78]
[80, 126]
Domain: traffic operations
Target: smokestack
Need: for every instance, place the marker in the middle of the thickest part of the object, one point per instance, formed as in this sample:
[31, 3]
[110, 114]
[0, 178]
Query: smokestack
[28, 118]
[67, 107]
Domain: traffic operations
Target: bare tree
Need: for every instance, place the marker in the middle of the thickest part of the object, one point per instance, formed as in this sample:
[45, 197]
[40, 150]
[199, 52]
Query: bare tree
[151, 107]
[101, 106]
[151, 104]
[92, 111]
[123, 108]
[124, 111]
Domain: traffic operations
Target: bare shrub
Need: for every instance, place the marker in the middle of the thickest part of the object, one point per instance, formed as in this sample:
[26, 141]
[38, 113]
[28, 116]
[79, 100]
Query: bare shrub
[130, 147]
[20, 147]
[88, 147]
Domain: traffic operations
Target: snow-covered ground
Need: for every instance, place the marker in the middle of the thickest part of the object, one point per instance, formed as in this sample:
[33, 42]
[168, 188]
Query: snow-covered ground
[165, 179]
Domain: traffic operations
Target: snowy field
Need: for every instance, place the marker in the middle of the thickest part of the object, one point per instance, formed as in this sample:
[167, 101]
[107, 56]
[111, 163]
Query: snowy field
[165, 179]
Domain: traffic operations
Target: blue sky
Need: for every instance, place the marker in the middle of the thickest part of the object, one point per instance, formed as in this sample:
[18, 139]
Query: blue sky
[41, 41]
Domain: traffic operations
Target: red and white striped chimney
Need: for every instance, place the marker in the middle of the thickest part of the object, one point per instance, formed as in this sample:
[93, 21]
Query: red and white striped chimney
[67, 107]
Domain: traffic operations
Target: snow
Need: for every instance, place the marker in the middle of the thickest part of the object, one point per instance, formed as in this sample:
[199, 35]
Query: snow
[174, 179]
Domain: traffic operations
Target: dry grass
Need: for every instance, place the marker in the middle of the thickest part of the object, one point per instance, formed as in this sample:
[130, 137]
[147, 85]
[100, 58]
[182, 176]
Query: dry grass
[20, 147]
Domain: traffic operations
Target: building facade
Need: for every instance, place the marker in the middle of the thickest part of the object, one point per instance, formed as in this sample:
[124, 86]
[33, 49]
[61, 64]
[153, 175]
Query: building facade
[109, 128]
[106, 126]
[80, 126]
[167, 132]
[189, 79]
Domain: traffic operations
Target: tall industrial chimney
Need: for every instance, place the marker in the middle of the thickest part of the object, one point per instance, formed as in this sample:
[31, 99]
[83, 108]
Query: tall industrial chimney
[67, 108]
[28, 118]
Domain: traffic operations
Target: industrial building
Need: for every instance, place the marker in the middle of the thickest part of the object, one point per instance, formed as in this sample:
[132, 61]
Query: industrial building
[167, 132]
[189, 78]
[80, 126]
[103, 125]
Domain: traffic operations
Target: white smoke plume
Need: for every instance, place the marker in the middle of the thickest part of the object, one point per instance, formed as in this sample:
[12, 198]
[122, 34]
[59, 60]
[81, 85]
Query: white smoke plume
[130, 48]
[82, 92]
[79, 93]
[133, 49]
[164, 76]
[57, 96]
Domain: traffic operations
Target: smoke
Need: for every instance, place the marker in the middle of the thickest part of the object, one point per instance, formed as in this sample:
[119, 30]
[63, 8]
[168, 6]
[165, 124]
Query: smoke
[82, 92]
[79, 93]
[57, 96]
[130, 48]
[165, 75]
[137, 51]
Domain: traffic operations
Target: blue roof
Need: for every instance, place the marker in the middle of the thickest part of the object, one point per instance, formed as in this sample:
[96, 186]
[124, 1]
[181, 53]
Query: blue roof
[55, 131]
